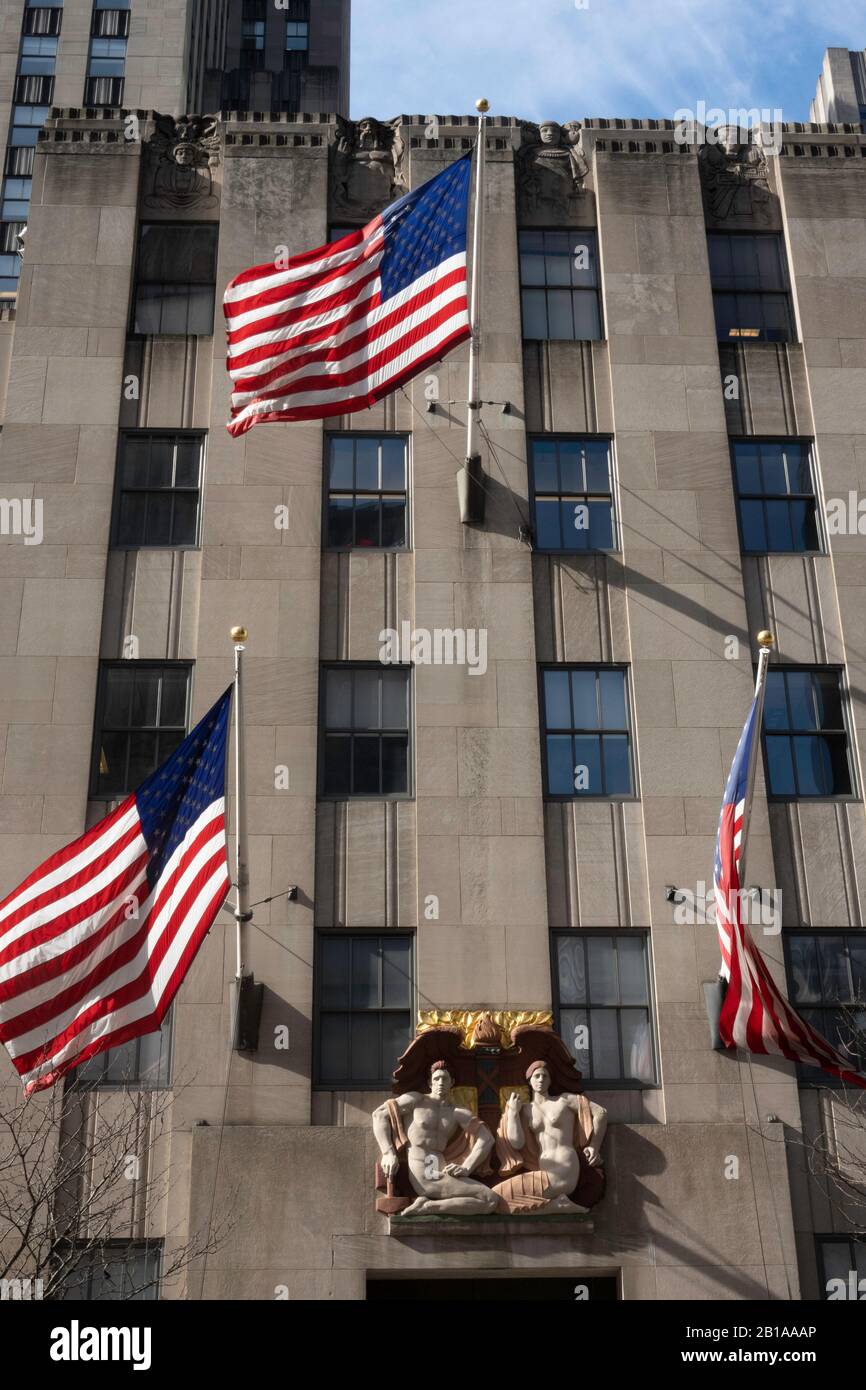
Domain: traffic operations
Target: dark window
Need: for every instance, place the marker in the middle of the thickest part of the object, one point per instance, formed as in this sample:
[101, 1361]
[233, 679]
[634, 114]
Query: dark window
[775, 496]
[586, 730]
[749, 275]
[366, 503]
[571, 494]
[9, 234]
[105, 66]
[142, 719]
[827, 977]
[144, 1063]
[838, 1258]
[110, 23]
[805, 734]
[603, 1005]
[19, 160]
[363, 1007]
[559, 285]
[176, 279]
[103, 91]
[34, 90]
[365, 738]
[45, 20]
[252, 43]
[297, 38]
[158, 490]
[115, 1273]
[10, 260]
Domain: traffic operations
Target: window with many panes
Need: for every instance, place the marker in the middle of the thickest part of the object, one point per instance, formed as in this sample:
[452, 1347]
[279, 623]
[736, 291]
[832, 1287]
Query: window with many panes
[603, 1005]
[805, 733]
[366, 483]
[365, 731]
[118, 1271]
[363, 1007]
[572, 497]
[827, 979]
[105, 68]
[586, 732]
[144, 1063]
[158, 489]
[32, 94]
[775, 496]
[175, 279]
[838, 1258]
[559, 285]
[749, 275]
[141, 718]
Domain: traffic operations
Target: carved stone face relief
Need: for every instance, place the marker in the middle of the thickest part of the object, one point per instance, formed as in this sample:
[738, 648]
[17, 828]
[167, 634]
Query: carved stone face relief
[180, 158]
[551, 168]
[366, 167]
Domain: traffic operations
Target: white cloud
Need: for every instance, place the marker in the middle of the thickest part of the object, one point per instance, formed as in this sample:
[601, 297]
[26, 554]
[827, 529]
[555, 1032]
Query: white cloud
[536, 58]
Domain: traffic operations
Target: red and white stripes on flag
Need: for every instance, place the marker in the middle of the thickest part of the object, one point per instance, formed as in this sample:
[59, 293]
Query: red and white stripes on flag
[335, 329]
[755, 1014]
[96, 941]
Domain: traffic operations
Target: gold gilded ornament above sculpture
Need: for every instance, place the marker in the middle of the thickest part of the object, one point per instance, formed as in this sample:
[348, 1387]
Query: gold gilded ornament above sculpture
[483, 1027]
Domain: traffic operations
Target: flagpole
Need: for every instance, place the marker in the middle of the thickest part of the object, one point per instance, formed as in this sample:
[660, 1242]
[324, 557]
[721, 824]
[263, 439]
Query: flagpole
[469, 487]
[242, 911]
[765, 641]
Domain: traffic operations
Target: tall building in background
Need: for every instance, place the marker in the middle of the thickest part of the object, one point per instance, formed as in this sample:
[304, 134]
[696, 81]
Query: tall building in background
[674, 343]
[840, 95]
[164, 55]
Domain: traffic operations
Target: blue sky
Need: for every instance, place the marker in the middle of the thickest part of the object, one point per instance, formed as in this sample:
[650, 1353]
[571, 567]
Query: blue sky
[551, 58]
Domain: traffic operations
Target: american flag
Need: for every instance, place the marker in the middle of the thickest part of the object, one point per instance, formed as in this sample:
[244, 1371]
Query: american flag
[755, 1014]
[340, 327]
[95, 942]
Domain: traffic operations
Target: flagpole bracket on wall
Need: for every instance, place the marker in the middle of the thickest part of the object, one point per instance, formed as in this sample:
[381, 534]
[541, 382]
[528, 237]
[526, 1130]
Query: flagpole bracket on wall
[246, 1006]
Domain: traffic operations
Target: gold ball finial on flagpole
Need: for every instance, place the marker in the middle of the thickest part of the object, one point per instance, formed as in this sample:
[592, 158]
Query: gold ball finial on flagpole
[482, 105]
[239, 634]
[766, 639]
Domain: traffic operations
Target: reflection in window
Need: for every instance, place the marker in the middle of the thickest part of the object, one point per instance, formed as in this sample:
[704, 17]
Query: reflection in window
[749, 275]
[586, 731]
[559, 285]
[827, 980]
[839, 1257]
[364, 1000]
[571, 494]
[805, 736]
[603, 1005]
[366, 507]
[143, 718]
[115, 1272]
[175, 280]
[775, 496]
[144, 1063]
[365, 736]
[159, 477]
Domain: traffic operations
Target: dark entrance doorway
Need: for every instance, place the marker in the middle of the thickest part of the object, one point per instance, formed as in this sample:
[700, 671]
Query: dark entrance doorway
[568, 1288]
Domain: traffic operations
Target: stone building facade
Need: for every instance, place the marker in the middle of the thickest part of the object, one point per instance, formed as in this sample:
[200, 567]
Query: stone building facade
[674, 341]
